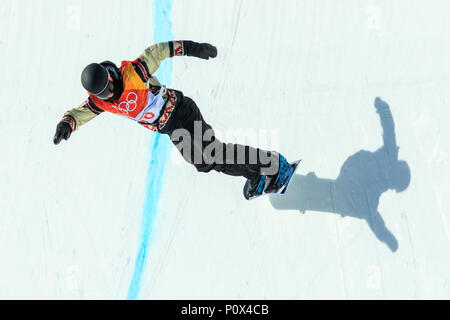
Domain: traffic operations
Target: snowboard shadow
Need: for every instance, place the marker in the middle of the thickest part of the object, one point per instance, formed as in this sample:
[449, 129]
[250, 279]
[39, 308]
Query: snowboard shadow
[356, 192]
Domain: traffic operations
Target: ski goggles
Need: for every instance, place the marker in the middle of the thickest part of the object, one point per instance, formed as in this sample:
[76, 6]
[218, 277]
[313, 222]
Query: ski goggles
[108, 91]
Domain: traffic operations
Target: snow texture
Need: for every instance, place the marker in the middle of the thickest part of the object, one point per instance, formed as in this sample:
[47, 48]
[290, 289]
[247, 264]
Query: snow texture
[357, 89]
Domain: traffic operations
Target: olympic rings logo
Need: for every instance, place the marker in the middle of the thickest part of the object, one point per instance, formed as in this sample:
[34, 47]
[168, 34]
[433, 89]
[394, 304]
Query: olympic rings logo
[129, 105]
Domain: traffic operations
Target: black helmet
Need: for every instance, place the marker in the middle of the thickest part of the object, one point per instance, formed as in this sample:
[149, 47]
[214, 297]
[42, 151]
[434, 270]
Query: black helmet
[95, 79]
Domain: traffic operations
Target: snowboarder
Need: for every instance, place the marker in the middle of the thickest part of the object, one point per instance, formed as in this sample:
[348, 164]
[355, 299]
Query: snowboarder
[132, 91]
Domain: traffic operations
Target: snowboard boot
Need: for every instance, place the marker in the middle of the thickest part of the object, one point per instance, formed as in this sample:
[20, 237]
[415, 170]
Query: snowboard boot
[268, 184]
[256, 186]
[276, 181]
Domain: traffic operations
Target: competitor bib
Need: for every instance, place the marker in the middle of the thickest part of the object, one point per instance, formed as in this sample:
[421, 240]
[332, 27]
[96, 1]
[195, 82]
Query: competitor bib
[136, 101]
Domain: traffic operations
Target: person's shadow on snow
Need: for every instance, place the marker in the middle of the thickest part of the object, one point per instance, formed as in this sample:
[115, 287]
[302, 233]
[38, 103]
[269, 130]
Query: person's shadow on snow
[356, 192]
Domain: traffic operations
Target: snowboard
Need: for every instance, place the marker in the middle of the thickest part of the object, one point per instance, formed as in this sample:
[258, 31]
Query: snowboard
[286, 179]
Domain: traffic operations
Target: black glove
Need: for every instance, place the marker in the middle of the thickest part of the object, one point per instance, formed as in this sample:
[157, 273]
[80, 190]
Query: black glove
[200, 50]
[63, 131]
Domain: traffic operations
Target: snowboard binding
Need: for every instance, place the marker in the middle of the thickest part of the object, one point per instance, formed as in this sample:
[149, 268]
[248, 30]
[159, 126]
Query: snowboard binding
[271, 184]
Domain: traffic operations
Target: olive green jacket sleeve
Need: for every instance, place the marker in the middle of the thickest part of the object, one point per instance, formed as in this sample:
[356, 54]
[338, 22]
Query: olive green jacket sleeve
[153, 55]
[78, 116]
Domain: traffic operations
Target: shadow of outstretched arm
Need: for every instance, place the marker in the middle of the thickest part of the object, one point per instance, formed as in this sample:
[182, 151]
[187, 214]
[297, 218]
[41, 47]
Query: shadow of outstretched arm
[387, 123]
[377, 225]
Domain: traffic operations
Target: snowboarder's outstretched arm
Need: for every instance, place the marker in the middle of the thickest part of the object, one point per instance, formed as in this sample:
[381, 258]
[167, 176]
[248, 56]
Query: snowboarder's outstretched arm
[75, 118]
[156, 53]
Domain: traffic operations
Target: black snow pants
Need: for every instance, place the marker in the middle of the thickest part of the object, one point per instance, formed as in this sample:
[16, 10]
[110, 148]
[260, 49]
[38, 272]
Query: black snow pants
[196, 141]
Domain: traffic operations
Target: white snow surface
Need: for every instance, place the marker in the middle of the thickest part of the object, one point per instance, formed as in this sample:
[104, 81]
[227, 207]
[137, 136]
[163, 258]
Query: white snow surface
[302, 76]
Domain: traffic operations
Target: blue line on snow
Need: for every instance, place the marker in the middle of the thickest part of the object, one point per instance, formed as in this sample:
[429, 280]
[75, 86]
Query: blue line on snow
[160, 147]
